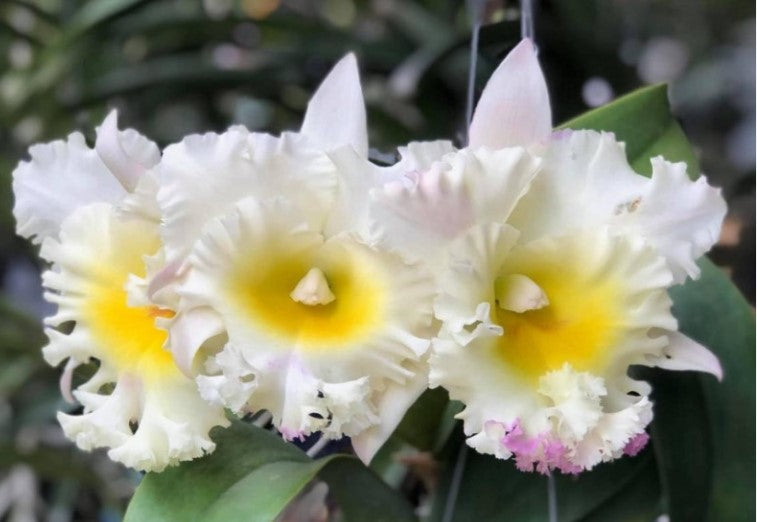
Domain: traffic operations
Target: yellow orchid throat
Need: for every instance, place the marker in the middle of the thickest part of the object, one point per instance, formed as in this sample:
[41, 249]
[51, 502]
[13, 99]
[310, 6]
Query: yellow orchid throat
[126, 335]
[320, 297]
[578, 319]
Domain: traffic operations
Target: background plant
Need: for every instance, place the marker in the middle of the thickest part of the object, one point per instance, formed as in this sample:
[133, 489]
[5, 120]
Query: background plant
[176, 67]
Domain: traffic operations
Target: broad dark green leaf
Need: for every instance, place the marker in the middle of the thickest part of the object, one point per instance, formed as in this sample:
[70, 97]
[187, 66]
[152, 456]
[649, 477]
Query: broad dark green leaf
[713, 312]
[252, 476]
[420, 424]
[492, 489]
[642, 119]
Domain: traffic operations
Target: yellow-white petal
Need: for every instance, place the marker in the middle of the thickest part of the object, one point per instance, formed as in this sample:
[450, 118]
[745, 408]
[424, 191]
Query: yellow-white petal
[315, 367]
[548, 383]
[153, 417]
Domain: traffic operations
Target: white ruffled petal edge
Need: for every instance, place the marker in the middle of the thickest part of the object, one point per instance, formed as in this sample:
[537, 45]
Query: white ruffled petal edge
[573, 420]
[336, 389]
[60, 177]
[391, 407]
[64, 175]
[204, 176]
[420, 213]
[586, 182]
[576, 433]
[147, 422]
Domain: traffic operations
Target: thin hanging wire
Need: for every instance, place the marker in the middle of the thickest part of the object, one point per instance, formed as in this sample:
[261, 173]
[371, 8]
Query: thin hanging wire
[454, 487]
[527, 19]
[476, 8]
[552, 498]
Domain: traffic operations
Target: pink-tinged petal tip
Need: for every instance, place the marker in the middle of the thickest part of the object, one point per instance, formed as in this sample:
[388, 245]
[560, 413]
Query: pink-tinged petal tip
[514, 107]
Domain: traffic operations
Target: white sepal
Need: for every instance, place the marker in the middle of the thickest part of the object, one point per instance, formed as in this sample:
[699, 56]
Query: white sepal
[336, 113]
[514, 107]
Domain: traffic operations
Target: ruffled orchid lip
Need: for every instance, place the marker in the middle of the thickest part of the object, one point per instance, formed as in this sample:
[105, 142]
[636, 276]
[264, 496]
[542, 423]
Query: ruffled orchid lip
[153, 417]
[545, 452]
[317, 327]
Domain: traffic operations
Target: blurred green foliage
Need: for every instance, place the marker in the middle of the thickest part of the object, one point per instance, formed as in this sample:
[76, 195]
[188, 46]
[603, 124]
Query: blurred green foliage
[175, 67]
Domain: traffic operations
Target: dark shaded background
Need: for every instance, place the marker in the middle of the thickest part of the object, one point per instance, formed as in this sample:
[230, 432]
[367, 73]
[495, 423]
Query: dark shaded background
[175, 67]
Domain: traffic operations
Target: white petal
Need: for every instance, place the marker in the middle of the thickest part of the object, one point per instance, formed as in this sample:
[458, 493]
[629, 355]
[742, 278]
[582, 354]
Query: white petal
[127, 154]
[465, 293]
[281, 355]
[420, 155]
[336, 113]
[205, 175]
[421, 213]
[681, 217]
[514, 106]
[586, 182]
[143, 201]
[489, 440]
[584, 179]
[61, 176]
[684, 353]
[188, 331]
[356, 178]
[391, 407]
[154, 416]
[577, 403]
[575, 399]
[612, 433]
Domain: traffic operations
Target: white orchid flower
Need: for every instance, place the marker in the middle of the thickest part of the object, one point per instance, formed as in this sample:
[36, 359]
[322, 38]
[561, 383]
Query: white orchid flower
[94, 211]
[554, 262]
[284, 303]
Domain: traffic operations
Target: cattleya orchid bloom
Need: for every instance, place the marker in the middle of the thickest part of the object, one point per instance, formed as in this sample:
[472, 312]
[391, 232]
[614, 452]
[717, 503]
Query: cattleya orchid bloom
[94, 212]
[284, 304]
[554, 259]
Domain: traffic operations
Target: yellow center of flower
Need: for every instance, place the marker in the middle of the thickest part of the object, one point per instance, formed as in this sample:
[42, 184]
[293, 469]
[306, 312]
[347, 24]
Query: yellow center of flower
[328, 296]
[580, 323]
[126, 335]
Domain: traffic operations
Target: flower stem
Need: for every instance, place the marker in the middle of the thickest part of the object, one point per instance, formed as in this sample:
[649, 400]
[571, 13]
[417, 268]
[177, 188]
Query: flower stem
[552, 497]
[316, 448]
[263, 419]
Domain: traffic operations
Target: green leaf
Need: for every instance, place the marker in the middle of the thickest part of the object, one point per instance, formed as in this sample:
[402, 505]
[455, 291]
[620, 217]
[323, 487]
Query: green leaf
[253, 475]
[642, 119]
[492, 489]
[420, 424]
[713, 312]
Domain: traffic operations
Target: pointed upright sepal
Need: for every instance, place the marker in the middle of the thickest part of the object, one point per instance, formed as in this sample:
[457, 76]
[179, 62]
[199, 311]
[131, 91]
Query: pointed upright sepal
[336, 113]
[514, 107]
[127, 154]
